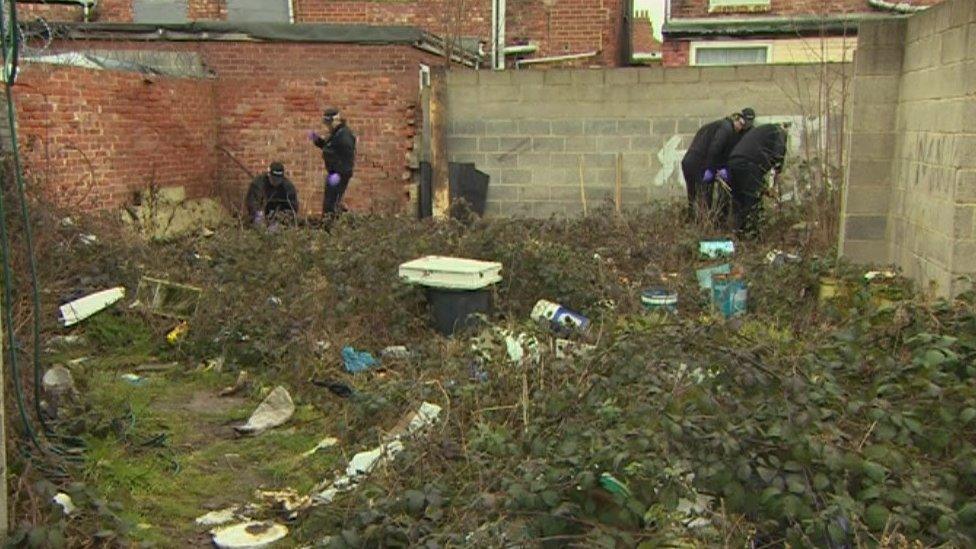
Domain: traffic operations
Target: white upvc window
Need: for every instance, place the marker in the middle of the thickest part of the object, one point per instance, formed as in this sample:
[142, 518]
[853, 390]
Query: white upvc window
[731, 53]
[738, 6]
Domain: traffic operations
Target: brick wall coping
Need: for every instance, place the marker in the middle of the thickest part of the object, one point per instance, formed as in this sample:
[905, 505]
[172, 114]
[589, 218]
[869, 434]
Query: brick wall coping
[785, 24]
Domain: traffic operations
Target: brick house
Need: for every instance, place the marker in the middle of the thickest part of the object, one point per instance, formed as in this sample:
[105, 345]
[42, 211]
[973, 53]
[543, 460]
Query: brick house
[730, 32]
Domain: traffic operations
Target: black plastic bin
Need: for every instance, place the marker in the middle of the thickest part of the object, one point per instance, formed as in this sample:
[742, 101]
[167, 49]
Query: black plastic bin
[452, 310]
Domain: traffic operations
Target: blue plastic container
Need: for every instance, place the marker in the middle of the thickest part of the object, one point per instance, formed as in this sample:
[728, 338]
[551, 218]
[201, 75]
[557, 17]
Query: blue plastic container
[730, 295]
[705, 275]
[660, 299]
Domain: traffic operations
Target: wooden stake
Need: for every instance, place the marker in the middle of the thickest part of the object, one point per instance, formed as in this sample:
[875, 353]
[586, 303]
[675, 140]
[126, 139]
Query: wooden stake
[617, 195]
[582, 186]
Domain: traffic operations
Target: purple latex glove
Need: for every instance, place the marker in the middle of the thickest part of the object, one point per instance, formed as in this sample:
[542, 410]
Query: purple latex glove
[723, 174]
[709, 176]
[258, 219]
[313, 136]
[333, 179]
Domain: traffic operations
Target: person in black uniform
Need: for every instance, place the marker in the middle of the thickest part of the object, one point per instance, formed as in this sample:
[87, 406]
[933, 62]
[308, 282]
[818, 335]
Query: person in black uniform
[339, 154]
[707, 157]
[759, 151]
[271, 195]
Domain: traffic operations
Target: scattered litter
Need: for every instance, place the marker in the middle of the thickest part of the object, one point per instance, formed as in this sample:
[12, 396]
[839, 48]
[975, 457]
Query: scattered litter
[275, 410]
[67, 222]
[80, 309]
[206, 233]
[730, 294]
[395, 352]
[322, 445]
[286, 502]
[168, 299]
[705, 275]
[58, 381]
[517, 345]
[64, 500]
[217, 518]
[178, 333]
[274, 301]
[88, 239]
[778, 258]
[364, 462]
[337, 388]
[874, 275]
[242, 381]
[559, 318]
[660, 299]
[477, 371]
[248, 535]
[322, 346]
[694, 511]
[714, 248]
[158, 367]
[66, 341]
[451, 273]
[614, 486]
[357, 361]
[133, 379]
[566, 349]
[78, 361]
[215, 364]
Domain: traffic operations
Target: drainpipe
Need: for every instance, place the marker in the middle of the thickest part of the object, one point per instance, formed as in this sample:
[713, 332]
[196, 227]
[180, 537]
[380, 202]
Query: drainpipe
[498, 34]
[291, 11]
[898, 7]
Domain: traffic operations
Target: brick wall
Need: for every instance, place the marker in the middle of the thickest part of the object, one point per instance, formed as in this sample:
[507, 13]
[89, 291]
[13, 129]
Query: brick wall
[91, 138]
[264, 105]
[568, 26]
[436, 16]
[910, 196]
[529, 130]
[676, 53]
[106, 10]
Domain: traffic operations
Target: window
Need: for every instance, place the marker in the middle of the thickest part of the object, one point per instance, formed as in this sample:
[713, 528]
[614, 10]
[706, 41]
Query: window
[424, 76]
[159, 11]
[738, 6]
[731, 55]
[258, 11]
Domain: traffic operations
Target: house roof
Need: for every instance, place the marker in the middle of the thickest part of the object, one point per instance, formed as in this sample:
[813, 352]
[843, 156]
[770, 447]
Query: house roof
[752, 26]
[262, 32]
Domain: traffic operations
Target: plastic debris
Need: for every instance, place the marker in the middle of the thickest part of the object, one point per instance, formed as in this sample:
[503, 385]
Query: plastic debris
[178, 333]
[779, 258]
[363, 463]
[286, 502]
[168, 299]
[395, 352]
[275, 410]
[133, 379]
[337, 388]
[217, 518]
[705, 275]
[451, 273]
[242, 381]
[67, 222]
[65, 341]
[328, 442]
[78, 361]
[157, 367]
[566, 349]
[516, 347]
[82, 308]
[215, 364]
[274, 301]
[614, 486]
[88, 239]
[660, 299]
[714, 248]
[730, 294]
[559, 318]
[357, 361]
[58, 381]
[248, 535]
[874, 275]
[64, 500]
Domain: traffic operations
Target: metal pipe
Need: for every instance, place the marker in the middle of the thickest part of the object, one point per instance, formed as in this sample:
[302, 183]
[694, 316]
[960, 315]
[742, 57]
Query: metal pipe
[86, 5]
[526, 48]
[556, 59]
[291, 11]
[498, 34]
[899, 7]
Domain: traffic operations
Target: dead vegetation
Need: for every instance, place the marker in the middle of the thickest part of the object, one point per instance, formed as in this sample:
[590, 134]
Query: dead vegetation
[818, 424]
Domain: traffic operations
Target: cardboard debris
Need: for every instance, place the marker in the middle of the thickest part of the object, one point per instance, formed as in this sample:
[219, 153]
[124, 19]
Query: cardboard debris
[64, 500]
[217, 518]
[275, 410]
[82, 308]
[286, 502]
[322, 445]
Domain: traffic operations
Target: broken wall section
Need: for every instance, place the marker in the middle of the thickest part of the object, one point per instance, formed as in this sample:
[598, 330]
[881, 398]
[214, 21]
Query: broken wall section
[90, 139]
[530, 130]
[910, 197]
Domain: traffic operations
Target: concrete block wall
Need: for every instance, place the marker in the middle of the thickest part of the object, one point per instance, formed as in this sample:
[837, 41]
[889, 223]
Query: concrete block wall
[530, 130]
[911, 194]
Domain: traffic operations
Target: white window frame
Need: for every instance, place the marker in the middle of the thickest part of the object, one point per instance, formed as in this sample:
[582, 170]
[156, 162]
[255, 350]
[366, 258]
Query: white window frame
[728, 45]
[424, 76]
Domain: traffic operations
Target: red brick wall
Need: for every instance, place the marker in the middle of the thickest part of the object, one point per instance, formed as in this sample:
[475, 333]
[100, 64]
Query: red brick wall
[675, 53]
[567, 27]
[91, 138]
[436, 16]
[264, 105]
[699, 8]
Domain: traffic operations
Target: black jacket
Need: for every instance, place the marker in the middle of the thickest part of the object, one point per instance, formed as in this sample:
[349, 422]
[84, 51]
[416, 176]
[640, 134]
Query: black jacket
[262, 196]
[339, 150]
[713, 143]
[763, 146]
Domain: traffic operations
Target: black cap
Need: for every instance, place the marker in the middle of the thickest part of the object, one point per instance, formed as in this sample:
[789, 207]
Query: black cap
[277, 169]
[748, 114]
[331, 112]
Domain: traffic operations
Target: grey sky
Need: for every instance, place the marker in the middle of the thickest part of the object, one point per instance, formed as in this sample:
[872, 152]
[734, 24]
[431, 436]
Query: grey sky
[656, 8]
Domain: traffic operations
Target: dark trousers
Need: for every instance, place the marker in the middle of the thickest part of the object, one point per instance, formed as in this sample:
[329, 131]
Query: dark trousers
[332, 202]
[747, 185]
[699, 192]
